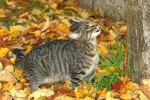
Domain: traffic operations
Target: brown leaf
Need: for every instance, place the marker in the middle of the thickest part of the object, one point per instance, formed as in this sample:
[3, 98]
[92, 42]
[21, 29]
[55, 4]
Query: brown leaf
[145, 91]
[29, 36]
[5, 61]
[2, 43]
[117, 86]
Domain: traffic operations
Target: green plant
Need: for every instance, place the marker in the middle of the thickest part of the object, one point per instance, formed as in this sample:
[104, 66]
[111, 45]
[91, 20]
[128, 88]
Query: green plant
[113, 64]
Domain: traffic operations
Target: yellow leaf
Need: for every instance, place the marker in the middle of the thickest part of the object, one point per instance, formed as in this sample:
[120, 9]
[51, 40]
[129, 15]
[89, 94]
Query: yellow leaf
[123, 30]
[108, 96]
[99, 92]
[88, 98]
[2, 13]
[37, 33]
[79, 92]
[41, 98]
[101, 12]
[125, 96]
[8, 86]
[84, 14]
[24, 14]
[34, 25]
[12, 60]
[29, 48]
[112, 33]
[41, 92]
[132, 86]
[18, 72]
[2, 31]
[23, 80]
[17, 94]
[14, 31]
[102, 49]
[46, 25]
[71, 8]
[66, 22]
[142, 96]
[3, 51]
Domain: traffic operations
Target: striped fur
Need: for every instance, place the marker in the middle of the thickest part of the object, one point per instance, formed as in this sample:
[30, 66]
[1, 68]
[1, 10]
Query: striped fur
[62, 59]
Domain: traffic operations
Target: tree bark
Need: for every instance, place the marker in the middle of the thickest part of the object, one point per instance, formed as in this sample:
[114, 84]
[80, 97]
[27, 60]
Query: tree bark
[138, 38]
[114, 9]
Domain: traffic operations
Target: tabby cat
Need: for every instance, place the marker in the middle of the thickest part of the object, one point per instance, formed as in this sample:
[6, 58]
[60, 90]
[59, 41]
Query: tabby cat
[62, 59]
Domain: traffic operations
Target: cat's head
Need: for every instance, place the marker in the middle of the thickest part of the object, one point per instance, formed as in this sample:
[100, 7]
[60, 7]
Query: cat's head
[84, 30]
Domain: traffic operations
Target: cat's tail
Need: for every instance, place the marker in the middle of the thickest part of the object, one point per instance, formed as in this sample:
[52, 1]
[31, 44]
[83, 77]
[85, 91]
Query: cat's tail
[19, 58]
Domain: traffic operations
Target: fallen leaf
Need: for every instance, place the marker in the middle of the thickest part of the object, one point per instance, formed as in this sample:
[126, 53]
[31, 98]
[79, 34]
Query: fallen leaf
[112, 33]
[29, 36]
[41, 92]
[103, 50]
[3, 52]
[9, 68]
[146, 91]
[1, 66]
[6, 76]
[101, 12]
[126, 96]
[84, 14]
[123, 30]
[4, 96]
[41, 98]
[2, 43]
[132, 86]
[2, 14]
[8, 86]
[88, 98]
[99, 92]
[79, 92]
[14, 31]
[18, 94]
[146, 82]
[118, 87]
[4, 61]
[109, 97]
[46, 25]
[3, 31]
[18, 72]
[60, 93]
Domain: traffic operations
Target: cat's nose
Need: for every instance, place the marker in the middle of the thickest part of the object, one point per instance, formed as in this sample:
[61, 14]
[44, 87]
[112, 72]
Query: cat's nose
[98, 31]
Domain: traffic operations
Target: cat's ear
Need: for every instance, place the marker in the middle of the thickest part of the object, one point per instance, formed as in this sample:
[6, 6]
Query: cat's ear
[74, 22]
[74, 35]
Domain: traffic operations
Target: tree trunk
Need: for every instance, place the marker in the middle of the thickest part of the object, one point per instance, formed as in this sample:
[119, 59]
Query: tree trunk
[138, 38]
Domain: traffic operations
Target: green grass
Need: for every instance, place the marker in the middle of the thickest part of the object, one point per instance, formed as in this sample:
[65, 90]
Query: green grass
[3, 3]
[113, 59]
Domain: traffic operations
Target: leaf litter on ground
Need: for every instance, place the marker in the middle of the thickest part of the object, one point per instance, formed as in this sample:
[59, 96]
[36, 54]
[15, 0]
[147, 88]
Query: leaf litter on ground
[26, 24]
